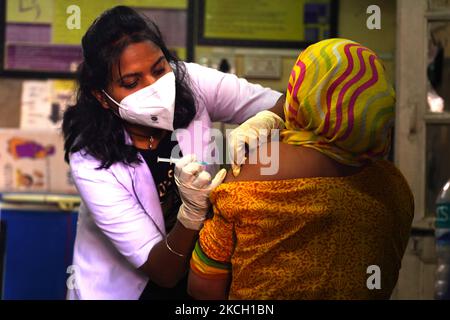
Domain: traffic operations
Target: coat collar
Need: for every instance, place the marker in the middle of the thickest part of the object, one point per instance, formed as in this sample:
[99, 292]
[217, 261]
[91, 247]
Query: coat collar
[145, 189]
[146, 193]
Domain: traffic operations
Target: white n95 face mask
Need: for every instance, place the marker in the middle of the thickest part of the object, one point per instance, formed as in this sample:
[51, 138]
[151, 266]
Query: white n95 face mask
[152, 106]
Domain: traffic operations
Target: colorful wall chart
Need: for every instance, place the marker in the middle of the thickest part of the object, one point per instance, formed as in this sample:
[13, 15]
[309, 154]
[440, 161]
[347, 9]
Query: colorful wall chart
[40, 35]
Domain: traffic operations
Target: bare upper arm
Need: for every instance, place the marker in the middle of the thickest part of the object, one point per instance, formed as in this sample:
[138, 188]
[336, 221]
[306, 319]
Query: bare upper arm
[271, 161]
[280, 161]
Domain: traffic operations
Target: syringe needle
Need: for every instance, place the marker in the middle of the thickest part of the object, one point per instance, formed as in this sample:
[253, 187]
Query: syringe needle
[175, 160]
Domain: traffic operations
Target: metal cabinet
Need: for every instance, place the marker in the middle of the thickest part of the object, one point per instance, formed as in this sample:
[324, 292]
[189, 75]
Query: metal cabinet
[38, 244]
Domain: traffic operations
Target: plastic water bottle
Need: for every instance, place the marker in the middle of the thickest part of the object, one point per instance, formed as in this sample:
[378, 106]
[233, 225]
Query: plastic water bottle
[442, 232]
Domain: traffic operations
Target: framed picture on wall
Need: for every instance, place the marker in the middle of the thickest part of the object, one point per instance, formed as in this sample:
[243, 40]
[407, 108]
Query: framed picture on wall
[266, 23]
[42, 38]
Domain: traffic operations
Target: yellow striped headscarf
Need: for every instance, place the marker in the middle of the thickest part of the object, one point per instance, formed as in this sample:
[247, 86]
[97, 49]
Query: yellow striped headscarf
[339, 102]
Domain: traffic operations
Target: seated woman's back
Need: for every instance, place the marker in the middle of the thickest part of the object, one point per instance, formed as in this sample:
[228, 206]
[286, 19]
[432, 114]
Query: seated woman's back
[312, 230]
[334, 217]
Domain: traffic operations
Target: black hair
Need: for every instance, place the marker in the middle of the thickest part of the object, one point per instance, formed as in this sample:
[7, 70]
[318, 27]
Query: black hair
[89, 127]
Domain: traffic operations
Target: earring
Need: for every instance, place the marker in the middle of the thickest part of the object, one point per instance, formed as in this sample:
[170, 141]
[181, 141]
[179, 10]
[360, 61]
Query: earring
[150, 145]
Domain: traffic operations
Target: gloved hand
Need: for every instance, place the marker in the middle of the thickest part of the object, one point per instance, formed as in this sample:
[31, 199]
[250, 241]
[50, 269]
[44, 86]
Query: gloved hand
[195, 185]
[250, 133]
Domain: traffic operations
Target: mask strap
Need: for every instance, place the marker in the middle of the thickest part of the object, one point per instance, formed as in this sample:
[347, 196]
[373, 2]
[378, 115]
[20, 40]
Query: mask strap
[118, 104]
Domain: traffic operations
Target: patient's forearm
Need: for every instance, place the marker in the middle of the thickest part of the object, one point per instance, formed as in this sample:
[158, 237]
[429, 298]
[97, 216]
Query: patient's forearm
[208, 289]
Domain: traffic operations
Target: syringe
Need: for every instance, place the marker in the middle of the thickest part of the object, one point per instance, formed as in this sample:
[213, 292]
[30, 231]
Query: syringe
[175, 160]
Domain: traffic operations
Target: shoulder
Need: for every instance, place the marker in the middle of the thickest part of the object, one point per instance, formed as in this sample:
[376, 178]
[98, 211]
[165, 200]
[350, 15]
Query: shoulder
[202, 80]
[84, 165]
[386, 170]
[201, 74]
[193, 69]
[208, 78]
[83, 160]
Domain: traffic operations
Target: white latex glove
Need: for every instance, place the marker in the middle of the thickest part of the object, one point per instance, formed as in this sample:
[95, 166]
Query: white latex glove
[250, 133]
[195, 185]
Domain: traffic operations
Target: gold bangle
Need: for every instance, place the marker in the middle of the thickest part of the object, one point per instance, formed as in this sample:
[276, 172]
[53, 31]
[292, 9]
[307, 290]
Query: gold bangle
[173, 251]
